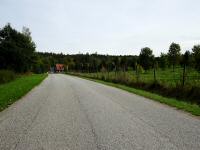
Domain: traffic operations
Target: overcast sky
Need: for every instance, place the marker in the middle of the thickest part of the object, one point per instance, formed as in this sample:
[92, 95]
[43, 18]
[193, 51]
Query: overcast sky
[105, 26]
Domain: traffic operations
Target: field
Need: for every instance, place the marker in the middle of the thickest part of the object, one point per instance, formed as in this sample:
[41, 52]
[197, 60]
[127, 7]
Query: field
[165, 77]
[10, 92]
[170, 78]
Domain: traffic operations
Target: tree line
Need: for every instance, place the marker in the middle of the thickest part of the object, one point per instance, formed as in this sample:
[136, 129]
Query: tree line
[18, 53]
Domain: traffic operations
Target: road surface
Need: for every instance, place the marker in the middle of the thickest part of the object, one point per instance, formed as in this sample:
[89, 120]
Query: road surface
[69, 113]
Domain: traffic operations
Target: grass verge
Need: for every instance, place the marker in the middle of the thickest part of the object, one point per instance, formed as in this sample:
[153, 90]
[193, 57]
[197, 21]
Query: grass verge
[186, 106]
[12, 91]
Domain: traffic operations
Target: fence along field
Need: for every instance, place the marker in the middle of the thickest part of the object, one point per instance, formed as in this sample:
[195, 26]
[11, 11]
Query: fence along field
[169, 78]
[163, 76]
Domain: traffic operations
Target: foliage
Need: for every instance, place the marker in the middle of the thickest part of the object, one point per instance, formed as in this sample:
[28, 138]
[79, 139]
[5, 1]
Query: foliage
[140, 69]
[6, 76]
[163, 61]
[16, 49]
[174, 54]
[196, 54]
[186, 57]
[146, 58]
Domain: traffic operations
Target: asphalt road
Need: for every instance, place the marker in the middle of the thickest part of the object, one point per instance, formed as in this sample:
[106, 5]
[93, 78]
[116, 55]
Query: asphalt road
[66, 112]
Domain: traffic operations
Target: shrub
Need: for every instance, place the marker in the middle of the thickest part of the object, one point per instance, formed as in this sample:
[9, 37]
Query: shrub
[6, 76]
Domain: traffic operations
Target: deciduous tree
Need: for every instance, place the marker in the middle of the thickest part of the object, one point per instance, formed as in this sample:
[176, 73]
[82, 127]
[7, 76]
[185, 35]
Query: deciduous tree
[174, 54]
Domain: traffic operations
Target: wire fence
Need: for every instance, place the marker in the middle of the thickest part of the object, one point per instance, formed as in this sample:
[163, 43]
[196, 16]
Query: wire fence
[187, 76]
[168, 77]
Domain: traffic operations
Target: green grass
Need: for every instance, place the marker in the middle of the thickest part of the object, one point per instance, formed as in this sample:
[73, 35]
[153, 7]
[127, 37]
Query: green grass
[12, 91]
[186, 106]
[170, 78]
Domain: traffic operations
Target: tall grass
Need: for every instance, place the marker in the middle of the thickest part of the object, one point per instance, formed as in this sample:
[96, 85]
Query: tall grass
[6, 76]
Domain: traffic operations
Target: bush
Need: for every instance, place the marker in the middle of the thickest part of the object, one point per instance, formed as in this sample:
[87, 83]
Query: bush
[6, 76]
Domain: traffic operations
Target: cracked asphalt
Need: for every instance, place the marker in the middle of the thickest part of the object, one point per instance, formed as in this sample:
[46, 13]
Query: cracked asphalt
[69, 113]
